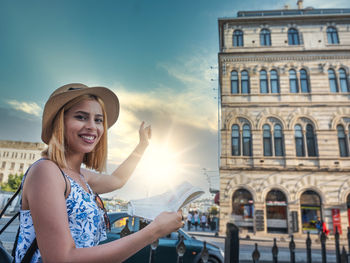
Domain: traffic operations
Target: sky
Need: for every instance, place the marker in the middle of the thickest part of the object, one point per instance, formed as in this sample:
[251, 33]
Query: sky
[158, 56]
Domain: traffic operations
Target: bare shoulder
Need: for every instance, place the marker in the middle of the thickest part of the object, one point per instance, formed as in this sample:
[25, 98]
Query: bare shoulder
[43, 172]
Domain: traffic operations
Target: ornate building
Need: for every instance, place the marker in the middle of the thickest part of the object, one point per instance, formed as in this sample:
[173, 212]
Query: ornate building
[285, 120]
[16, 157]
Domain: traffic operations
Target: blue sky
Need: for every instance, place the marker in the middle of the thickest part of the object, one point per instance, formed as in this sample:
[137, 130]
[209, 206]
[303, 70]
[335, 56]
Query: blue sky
[155, 55]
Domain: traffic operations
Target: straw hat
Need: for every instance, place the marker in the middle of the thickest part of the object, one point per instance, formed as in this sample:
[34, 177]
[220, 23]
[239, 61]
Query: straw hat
[68, 92]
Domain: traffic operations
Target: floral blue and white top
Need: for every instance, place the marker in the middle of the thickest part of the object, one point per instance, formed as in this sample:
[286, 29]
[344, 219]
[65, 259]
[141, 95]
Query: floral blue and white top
[85, 220]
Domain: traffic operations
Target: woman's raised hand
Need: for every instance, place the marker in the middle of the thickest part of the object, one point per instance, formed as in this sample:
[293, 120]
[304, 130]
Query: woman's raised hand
[167, 222]
[145, 134]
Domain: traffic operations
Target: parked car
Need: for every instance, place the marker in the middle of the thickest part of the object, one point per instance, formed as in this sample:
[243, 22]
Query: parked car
[166, 250]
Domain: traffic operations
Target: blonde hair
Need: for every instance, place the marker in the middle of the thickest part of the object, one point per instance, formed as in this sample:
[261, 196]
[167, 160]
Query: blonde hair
[96, 159]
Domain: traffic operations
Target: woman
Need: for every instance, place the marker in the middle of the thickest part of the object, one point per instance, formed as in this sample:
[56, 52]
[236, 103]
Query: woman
[58, 197]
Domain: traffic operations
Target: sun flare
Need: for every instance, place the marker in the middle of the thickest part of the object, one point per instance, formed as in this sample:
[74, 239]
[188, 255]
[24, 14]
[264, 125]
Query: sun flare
[161, 168]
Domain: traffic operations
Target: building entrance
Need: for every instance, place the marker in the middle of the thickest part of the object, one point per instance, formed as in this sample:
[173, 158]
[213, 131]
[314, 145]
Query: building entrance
[310, 204]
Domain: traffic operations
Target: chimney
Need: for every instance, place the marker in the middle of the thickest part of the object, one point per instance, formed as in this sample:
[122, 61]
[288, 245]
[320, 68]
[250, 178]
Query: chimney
[300, 4]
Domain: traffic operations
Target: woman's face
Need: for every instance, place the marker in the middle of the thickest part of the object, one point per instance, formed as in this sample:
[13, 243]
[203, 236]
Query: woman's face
[83, 124]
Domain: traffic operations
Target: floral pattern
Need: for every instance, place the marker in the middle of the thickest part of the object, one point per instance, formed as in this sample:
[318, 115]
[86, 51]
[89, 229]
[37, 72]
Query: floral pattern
[85, 220]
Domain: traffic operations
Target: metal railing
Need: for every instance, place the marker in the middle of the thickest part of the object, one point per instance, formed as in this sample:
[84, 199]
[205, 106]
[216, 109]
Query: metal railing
[232, 248]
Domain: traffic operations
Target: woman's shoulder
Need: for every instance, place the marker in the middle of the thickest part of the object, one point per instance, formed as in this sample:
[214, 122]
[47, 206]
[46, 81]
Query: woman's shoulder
[43, 169]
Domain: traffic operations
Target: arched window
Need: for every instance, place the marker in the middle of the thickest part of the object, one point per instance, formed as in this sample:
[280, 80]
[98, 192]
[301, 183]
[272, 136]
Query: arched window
[278, 140]
[265, 37]
[245, 82]
[234, 82]
[293, 37]
[238, 38]
[276, 212]
[263, 82]
[310, 206]
[304, 82]
[274, 82]
[293, 81]
[299, 140]
[267, 140]
[242, 203]
[332, 35]
[247, 141]
[332, 80]
[236, 146]
[343, 80]
[343, 147]
[310, 140]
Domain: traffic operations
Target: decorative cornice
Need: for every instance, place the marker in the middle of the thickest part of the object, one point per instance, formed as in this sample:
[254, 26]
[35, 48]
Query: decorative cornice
[276, 58]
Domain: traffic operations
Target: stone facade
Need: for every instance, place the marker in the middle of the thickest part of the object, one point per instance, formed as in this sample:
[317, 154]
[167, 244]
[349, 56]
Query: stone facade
[265, 189]
[16, 157]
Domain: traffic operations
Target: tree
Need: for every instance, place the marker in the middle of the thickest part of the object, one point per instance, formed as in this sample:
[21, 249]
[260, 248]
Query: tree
[13, 182]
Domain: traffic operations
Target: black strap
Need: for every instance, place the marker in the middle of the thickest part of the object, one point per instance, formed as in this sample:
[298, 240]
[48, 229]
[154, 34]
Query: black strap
[8, 223]
[30, 252]
[10, 201]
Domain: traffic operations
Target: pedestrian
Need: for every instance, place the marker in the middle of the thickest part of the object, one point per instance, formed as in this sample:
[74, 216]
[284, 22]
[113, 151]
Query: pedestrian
[189, 219]
[196, 220]
[319, 226]
[60, 203]
[203, 221]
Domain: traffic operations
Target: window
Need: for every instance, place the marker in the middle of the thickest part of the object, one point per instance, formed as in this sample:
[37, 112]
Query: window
[343, 80]
[299, 140]
[332, 80]
[245, 82]
[263, 82]
[234, 82]
[276, 212]
[293, 37]
[242, 203]
[332, 35]
[238, 38]
[274, 81]
[3, 165]
[304, 83]
[247, 141]
[12, 166]
[293, 81]
[236, 140]
[278, 140]
[310, 140]
[343, 148]
[265, 37]
[267, 140]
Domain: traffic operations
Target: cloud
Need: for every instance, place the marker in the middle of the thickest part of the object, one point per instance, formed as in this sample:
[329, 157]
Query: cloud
[184, 116]
[28, 107]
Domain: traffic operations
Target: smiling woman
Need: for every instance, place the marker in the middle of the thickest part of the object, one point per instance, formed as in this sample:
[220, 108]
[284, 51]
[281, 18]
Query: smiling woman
[68, 224]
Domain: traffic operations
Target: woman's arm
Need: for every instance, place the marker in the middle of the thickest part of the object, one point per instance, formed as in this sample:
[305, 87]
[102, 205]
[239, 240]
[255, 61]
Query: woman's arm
[44, 194]
[102, 183]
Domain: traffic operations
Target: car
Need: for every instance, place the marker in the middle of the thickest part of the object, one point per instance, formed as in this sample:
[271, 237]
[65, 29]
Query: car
[166, 249]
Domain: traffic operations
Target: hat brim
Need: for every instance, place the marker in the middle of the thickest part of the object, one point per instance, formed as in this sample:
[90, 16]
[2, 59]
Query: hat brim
[56, 102]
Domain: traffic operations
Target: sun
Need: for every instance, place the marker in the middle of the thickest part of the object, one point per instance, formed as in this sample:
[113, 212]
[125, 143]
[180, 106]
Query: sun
[161, 167]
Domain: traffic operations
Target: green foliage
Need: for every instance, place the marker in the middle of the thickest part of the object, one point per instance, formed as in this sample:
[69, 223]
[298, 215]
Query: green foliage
[13, 182]
[213, 210]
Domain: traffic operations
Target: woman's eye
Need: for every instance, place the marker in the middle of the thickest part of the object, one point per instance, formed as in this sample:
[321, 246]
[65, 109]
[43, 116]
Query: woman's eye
[99, 120]
[80, 117]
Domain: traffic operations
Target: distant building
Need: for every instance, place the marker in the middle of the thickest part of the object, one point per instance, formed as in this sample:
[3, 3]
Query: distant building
[17, 156]
[285, 120]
